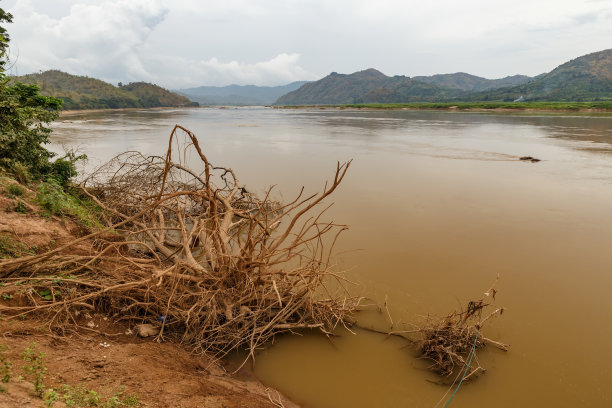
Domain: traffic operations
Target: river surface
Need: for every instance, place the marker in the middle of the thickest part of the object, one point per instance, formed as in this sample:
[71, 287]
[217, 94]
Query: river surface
[438, 205]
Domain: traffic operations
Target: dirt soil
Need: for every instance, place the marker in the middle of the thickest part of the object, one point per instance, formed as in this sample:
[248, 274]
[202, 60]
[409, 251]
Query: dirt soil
[104, 355]
[160, 374]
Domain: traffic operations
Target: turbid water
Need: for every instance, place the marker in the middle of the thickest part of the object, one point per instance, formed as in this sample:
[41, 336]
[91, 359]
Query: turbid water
[438, 205]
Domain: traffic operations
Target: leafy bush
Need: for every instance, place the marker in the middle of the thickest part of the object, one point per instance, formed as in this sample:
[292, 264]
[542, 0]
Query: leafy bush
[64, 168]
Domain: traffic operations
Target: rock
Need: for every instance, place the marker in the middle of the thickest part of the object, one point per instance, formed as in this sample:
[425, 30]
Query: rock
[529, 158]
[146, 330]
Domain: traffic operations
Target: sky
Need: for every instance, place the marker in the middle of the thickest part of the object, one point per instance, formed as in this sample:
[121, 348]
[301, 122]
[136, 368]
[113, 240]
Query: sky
[187, 43]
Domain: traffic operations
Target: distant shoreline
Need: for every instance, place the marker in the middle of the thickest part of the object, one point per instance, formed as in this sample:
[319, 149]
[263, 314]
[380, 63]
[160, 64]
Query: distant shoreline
[577, 107]
[501, 107]
[78, 111]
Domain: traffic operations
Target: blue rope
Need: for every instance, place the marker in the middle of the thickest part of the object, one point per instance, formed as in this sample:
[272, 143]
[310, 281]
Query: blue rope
[466, 370]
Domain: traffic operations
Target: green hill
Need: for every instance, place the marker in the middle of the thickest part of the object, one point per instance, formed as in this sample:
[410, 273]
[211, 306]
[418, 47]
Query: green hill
[80, 92]
[468, 82]
[369, 86]
[587, 78]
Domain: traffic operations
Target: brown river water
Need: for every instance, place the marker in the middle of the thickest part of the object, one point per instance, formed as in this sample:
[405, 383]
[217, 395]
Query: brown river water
[438, 205]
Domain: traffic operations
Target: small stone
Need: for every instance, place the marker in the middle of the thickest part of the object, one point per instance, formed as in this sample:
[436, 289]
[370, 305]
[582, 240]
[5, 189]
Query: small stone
[146, 330]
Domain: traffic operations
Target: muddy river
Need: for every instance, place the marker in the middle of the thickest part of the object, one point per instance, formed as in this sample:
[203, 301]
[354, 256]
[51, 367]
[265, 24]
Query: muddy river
[438, 205]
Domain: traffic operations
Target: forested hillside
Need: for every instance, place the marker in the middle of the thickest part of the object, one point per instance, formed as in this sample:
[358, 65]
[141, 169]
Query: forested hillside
[81, 92]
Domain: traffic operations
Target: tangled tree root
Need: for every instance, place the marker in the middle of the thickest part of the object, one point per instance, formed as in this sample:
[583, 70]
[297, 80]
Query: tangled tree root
[187, 246]
[451, 343]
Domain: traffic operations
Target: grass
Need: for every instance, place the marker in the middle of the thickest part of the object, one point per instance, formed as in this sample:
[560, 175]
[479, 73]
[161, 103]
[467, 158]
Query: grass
[6, 366]
[58, 200]
[15, 189]
[79, 396]
[35, 368]
[55, 199]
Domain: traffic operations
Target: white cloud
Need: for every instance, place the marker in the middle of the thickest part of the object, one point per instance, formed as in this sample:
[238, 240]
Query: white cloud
[96, 40]
[184, 73]
[180, 43]
[109, 40]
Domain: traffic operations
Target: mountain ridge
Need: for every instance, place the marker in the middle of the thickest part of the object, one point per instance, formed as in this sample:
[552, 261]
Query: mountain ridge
[469, 82]
[586, 78]
[238, 94]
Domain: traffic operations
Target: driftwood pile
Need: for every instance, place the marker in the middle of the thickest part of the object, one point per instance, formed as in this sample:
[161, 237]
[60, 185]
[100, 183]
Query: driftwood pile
[190, 249]
[451, 343]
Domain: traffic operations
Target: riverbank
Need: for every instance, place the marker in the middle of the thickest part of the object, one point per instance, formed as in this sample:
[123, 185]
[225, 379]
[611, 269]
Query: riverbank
[86, 111]
[496, 107]
[604, 108]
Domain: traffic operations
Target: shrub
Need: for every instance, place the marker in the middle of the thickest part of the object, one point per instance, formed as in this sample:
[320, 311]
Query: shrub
[15, 189]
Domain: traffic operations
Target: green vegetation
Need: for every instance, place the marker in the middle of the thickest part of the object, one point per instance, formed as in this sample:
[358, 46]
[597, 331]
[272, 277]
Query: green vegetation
[6, 366]
[79, 396]
[9, 248]
[15, 189]
[35, 368]
[471, 83]
[4, 37]
[24, 112]
[81, 92]
[65, 201]
[20, 207]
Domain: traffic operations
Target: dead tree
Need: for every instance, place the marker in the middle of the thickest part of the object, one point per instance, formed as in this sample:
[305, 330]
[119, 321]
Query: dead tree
[185, 243]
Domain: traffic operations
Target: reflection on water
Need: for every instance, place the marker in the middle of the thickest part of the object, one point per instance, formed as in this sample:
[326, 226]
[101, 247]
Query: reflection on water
[438, 205]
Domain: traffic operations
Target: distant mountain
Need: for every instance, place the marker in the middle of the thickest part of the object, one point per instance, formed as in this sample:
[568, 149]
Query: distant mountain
[238, 94]
[367, 86]
[80, 92]
[468, 82]
[586, 78]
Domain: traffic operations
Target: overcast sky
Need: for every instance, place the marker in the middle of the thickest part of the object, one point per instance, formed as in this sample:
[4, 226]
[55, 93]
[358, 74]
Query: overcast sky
[184, 43]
